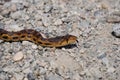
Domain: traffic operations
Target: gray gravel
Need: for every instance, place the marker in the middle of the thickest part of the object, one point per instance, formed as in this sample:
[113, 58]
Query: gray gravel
[96, 57]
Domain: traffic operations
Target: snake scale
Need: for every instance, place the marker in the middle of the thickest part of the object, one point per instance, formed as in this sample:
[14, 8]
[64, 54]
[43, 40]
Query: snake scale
[35, 37]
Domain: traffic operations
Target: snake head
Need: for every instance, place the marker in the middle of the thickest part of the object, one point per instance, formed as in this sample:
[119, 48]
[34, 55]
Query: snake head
[71, 39]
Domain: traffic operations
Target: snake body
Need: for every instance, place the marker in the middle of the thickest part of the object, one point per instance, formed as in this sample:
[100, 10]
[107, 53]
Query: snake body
[35, 37]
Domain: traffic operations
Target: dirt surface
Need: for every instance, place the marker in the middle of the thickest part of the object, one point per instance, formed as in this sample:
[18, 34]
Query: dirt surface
[96, 56]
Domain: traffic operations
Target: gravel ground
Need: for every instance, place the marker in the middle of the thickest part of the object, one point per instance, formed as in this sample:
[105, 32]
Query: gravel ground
[96, 57]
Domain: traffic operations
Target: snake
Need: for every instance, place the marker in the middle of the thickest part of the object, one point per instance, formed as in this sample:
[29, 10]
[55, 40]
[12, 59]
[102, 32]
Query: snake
[37, 38]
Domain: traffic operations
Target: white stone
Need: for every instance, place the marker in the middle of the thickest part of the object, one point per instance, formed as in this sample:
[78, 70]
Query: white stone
[111, 70]
[26, 43]
[116, 30]
[1, 17]
[27, 70]
[4, 12]
[58, 22]
[15, 27]
[13, 7]
[76, 76]
[105, 61]
[16, 15]
[67, 62]
[18, 56]
[19, 76]
[34, 46]
[25, 78]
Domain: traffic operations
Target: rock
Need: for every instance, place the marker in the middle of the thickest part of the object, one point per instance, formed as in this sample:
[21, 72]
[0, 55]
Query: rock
[101, 55]
[19, 76]
[18, 56]
[1, 7]
[94, 70]
[76, 76]
[105, 62]
[54, 77]
[13, 7]
[87, 45]
[26, 4]
[1, 25]
[46, 20]
[26, 17]
[111, 69]
[42, 71]
[58, 22]
[113, 19]
[105, 5]
[25, 78]
[34, 46]
[116, 30]
[17, 1]
[30, 76]
[27, 70]
[116, 13]
[15, 27]
[48, 8]
[20, 6]
[62, 60]
[5, 12]
[1, 17]
[16, 15]
[11, 69]
[26, 42]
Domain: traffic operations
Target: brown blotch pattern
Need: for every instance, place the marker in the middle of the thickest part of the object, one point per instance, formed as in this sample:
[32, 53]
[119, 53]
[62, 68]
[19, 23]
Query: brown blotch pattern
[36, 37]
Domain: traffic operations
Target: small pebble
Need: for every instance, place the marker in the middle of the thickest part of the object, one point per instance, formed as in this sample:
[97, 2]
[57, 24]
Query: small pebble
[26, 4]
[16, 15]
[117, 13]
[76, 76]
[25, 78]
[113, 19]
[111, 70]
[82, 51]
[18, 56]
[19, 76]
[48, 8]
[101, 55]
[46, 20]
[105, 4]
[42, 71]
[30, 76]
[34, 46]
[5, 12]
[27, 70]
[1, 17]
[105, 61]
[15, 27]
[54, 77]
[116, 30]
[58, 22]
[13, 7]
[26, 42]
